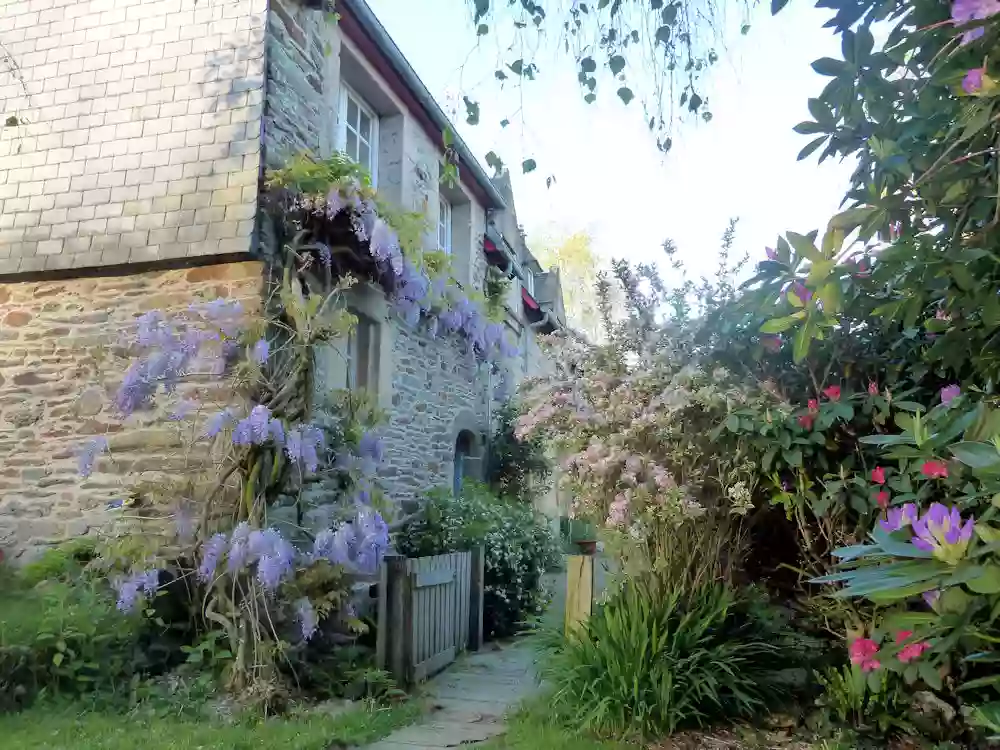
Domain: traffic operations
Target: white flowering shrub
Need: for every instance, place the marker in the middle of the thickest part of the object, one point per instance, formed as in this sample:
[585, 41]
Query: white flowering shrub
[519, 548]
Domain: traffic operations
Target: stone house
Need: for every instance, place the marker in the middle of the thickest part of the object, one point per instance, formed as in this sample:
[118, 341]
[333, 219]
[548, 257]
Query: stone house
[136, 138]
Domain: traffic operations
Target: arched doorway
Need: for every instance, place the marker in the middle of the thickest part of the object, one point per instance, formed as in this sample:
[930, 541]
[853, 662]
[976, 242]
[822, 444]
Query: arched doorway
[465, 458]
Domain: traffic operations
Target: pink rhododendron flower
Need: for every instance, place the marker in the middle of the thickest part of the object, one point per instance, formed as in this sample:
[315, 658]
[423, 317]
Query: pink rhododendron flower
[910, 651]
[806, 421]
[771, 342]
[966, 11]
[897, 518]
[882, 498]
[878, 475]
[863, 651]
[973, 81]
[799, 290]
[872, 388]
[832, 392]
[949, 393]
[934, 469]
[813, 405]
[942, 532]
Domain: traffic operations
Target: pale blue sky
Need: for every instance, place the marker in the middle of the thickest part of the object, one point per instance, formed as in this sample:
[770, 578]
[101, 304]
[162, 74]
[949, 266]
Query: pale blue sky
[610, 179]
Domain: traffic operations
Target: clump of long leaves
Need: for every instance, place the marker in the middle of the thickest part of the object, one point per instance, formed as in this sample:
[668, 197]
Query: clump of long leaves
[654, 659]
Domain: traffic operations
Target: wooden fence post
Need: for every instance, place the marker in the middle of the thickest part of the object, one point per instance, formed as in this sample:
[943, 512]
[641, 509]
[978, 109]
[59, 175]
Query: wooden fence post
[579, 589]
[476, 600]
[382, 625]
[397, 643]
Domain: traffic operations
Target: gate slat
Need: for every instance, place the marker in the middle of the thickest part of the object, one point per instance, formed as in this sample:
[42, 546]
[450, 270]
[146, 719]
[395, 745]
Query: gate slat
[439, 601]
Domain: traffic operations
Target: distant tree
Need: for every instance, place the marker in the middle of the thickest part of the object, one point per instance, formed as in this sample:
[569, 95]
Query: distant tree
[579, 267]
[518, 469]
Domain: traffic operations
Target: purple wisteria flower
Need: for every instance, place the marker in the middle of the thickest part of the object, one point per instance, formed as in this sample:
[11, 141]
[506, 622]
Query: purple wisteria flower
[899, 517]
[182, 409]
[218, 422]
[308, 621]
[276, 564]
[335, 546]
[226, 315]
[136, 587]
[184, 524]
[372, 447]
[260, 352]
[334, 202]
[88, 453]
[256, 428]
[372, 540]
[949, 393]
[239, 548]
[384, 242]
[942, 532]
[303, 445]
[211, 554]
[325, 254]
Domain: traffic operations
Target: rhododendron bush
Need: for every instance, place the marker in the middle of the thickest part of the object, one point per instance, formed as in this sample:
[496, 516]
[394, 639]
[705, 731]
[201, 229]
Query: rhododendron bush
[860, 376]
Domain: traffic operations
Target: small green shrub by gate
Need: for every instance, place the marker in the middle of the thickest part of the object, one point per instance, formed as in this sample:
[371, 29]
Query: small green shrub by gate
[519, 549]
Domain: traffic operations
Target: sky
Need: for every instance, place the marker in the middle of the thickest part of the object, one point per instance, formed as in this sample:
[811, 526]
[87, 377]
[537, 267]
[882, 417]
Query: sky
[610, 179]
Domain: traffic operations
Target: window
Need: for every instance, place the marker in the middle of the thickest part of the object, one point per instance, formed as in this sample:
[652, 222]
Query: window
[363, 356]
[528, 280]
[444, 225]
[359, 131]
[465, 460]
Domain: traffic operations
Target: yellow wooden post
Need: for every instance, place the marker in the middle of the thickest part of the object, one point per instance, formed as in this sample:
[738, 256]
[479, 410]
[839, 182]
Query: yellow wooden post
[579, 589]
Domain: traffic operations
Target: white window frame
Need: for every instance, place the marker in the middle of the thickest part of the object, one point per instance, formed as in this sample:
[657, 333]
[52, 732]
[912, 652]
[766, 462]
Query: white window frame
[364, 358]
[444, 224]
[528, 280]
[346, 94]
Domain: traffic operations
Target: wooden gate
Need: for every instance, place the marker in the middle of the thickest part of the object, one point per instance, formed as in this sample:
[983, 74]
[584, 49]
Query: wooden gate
[430, 610]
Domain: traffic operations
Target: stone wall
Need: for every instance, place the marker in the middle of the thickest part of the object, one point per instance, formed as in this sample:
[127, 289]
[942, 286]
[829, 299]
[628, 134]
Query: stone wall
[436, 393]
[303, 74]
[55, 389]
[132, 130]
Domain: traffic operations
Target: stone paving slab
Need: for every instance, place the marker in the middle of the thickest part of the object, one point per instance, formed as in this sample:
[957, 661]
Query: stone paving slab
[469, 699]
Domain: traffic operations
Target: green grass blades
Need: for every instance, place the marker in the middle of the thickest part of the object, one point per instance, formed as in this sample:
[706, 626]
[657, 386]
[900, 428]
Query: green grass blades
[652, 661]
[66, 728]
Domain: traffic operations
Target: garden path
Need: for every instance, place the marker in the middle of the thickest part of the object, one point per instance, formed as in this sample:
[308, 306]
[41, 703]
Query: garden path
[468, 700]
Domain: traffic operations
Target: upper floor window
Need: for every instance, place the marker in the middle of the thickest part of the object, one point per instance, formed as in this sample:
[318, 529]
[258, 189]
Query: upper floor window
[359, 131]
[528, 280]
[363, 355]
[444, 225]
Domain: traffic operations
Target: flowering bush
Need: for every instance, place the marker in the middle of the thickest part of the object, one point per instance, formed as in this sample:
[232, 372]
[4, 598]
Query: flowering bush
[640, 455]
[519, 548]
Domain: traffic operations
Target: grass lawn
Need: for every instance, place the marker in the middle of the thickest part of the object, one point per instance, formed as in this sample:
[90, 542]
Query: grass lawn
[532, 729]
[67, 728]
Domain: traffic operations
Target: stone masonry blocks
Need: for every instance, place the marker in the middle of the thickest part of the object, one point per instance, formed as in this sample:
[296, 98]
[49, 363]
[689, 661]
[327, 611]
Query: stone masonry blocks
[128, 103]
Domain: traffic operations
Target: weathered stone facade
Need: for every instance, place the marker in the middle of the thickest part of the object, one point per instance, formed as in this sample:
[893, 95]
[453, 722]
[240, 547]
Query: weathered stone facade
[132, 130]
[142, 126]
[437, 393]
[55, 390]
[434, 391]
